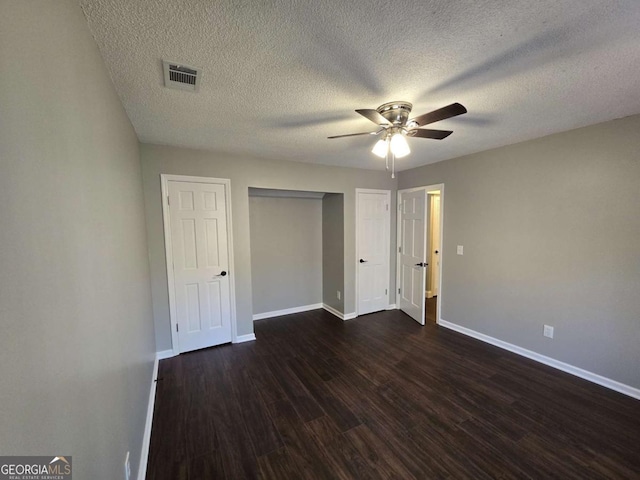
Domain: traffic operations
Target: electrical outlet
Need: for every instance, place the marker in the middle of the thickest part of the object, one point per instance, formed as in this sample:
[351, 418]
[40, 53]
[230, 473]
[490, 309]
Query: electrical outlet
[548, 331]
[460, 250]
[338, 294]
[127, 468]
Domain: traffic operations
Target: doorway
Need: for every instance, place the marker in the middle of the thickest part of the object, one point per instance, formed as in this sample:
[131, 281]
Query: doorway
[433, 255]
[286, 238]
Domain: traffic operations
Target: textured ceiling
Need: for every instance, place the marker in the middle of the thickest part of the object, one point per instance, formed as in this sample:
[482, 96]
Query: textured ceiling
[280, 76]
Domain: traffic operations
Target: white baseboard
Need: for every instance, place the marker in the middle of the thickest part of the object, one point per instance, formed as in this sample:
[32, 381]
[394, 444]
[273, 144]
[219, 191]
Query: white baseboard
[340, 315]
[287, 311]
[245, 338]
[333, 311]
[165, 354]
[146, 437]
[392, 306]
[565, 367]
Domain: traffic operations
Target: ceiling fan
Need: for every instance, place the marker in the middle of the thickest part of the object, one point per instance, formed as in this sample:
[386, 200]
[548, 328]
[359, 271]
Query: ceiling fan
[395, 125]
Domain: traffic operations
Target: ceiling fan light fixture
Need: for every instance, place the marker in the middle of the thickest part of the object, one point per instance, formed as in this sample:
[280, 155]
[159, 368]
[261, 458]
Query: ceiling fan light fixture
[380, 148]
[399, 146]
[394, 124]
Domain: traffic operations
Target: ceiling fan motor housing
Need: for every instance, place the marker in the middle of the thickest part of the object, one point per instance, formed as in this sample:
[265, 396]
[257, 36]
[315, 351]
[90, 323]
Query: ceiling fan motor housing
[396, 113]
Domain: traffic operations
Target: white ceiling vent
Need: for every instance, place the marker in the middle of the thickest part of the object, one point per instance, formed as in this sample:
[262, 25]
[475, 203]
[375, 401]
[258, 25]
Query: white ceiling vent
[181, 77]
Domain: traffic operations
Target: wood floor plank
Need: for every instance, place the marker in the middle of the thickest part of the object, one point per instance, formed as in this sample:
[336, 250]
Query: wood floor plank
[277, 465]
[344, 460]
[458, 455]
[263, 434]
[235, 446]
[296, 393]
[382, 397]
[332, 406]
[167, 450]
[416, 458]
[206, 467]
[266, 384]
[376, 452]
[323, 430]
[310, 461]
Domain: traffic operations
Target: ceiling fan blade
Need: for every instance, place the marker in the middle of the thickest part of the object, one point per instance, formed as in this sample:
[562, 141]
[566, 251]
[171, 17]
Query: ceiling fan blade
[374, 116]
[353, 134]
[441, 114]
[427, 133]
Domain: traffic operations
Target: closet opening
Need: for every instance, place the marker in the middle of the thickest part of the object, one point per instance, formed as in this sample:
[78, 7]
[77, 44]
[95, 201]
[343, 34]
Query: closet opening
[297, 251]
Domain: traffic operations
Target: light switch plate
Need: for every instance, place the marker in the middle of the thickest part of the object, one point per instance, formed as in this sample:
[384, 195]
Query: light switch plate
[460, 250]
[548, 331]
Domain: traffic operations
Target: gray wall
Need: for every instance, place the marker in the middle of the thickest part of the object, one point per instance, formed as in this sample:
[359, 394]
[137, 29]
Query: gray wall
[246, 172]
[551, 234]
[333, 250]
[286, 252]
[77, 347]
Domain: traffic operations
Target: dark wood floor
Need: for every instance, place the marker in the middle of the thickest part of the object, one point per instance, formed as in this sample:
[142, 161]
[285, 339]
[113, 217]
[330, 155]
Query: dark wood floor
[382, 397]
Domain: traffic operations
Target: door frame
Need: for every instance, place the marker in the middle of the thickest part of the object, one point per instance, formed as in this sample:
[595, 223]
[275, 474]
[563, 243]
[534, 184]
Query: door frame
[168, 250]
[387, 244]
[427, 188]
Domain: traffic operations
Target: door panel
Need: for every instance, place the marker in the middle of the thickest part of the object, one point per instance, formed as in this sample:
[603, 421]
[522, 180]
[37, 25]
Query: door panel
[214, 297]
[373, 248]
[198, 224]
[192, 297]
[413, 218]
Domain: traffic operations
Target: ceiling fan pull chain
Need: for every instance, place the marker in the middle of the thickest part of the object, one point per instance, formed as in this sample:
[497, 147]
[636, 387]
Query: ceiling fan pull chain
[386, 157]
[393, 165]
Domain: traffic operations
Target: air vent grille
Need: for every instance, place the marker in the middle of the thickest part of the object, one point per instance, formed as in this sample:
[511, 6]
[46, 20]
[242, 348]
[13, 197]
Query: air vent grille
[180, 76]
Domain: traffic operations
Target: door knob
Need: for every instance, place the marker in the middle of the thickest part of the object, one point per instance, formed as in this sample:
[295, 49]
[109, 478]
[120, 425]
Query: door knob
[421, 264]
[222, 273]
[363, 261]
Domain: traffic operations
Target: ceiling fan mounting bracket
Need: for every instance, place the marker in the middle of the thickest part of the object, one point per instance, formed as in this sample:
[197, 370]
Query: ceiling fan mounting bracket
[396, 113]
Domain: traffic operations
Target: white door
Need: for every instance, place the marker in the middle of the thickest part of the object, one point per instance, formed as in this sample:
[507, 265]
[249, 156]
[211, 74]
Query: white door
[373, 231]
[434, 262]
[412, 251]
[198, 229]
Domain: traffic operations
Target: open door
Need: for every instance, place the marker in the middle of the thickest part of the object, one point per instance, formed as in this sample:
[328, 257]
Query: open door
[413, 252]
